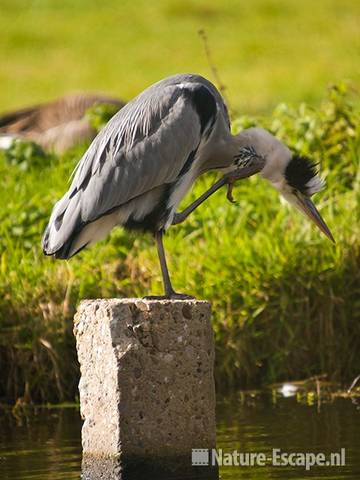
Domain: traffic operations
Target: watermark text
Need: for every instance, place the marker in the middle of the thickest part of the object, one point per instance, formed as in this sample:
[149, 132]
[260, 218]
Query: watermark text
[276, 457]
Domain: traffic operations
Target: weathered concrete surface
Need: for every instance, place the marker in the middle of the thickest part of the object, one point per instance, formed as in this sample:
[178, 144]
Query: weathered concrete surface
[147, 389]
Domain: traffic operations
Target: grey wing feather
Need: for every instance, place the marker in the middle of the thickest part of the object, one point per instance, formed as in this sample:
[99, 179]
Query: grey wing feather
[143, 146]
[146, 147]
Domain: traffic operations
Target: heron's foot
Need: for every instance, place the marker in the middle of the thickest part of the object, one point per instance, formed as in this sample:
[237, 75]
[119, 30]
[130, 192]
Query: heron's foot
[171, 296]
[180, 296]
[155, 297]
[229, 195]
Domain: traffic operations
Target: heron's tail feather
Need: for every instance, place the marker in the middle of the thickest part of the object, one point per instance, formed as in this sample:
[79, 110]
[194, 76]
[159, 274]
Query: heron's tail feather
[63, 229]
[64, 252]
[66, 233]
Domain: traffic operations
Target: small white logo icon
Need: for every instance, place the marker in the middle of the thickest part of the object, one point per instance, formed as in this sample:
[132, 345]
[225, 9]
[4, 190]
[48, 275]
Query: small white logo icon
[200, 456]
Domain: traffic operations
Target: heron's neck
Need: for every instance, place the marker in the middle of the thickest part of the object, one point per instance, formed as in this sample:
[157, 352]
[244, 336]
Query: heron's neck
[263, 142]
[225, 149]
[276, 154]
[221, 151]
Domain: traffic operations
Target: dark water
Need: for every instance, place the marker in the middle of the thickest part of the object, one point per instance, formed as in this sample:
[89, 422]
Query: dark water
[45, 444]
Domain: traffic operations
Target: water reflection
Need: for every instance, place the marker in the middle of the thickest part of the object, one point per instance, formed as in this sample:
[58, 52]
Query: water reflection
[40, 444]
[44, 443]
[261, 423]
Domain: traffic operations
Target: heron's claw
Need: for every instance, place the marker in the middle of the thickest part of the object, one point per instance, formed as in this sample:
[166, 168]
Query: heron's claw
[181, 296]
[171, 296]
[229, 195]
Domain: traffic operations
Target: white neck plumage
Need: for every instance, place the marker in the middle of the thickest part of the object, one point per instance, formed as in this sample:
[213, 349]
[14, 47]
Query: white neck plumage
[280, 163]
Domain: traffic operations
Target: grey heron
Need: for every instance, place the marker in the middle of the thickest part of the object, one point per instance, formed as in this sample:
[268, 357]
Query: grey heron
[147, 157]
[56, 125]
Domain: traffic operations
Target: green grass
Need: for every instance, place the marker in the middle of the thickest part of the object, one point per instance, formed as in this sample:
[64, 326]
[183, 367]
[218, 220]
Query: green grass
[267, 51]
[285, 300]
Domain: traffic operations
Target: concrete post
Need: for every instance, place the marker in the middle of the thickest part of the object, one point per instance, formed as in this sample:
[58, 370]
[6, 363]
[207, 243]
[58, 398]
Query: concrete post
[147, 390]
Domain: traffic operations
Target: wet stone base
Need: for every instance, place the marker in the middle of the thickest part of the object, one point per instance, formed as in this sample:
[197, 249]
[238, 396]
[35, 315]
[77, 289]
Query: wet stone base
[140, 468]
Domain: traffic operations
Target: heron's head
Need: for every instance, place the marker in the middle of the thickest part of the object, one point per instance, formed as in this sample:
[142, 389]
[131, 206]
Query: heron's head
[294, 176]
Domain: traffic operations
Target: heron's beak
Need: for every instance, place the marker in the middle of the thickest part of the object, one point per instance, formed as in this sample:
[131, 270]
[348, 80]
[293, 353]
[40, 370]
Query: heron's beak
[306, 206]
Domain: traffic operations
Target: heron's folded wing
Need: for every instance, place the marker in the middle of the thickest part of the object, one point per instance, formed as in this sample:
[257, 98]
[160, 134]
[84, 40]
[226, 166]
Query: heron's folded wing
[144, 145]
[150, 142]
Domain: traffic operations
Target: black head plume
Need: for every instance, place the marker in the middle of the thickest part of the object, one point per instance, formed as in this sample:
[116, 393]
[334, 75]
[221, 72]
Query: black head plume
[301, 174]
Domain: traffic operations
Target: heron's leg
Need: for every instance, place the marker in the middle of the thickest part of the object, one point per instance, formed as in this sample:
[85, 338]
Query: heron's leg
[164, 269]
[169, 291]
[228, 179]
[181, 216]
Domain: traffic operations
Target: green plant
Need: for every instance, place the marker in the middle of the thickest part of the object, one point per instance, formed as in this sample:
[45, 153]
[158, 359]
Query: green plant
[26, 154]
[285, 300]
[98, 115]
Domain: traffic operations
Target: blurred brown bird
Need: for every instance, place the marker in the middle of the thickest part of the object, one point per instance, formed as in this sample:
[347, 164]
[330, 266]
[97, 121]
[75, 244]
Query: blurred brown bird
[56, 125]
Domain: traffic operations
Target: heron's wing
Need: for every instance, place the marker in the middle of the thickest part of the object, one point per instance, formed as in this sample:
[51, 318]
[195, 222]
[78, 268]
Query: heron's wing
[150, 142]
[145, 145]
